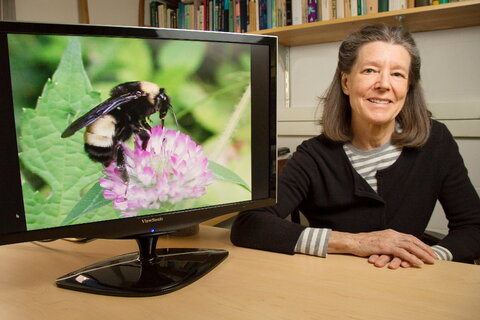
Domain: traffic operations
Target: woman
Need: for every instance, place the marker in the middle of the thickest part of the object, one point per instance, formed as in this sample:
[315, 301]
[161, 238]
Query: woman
[369, 183]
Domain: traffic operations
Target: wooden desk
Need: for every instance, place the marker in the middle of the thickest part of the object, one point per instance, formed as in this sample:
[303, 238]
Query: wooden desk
[249, 284]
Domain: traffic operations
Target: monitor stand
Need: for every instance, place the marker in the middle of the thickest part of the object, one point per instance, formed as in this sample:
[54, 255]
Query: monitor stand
[148, 272]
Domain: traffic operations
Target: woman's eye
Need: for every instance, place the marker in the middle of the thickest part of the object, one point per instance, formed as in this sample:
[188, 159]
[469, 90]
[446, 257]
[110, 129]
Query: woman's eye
[368, 70]
[398, 74]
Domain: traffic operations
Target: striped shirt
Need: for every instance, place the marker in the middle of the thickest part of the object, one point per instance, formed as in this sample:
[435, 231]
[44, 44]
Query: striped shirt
[314, 241]
[367, 163]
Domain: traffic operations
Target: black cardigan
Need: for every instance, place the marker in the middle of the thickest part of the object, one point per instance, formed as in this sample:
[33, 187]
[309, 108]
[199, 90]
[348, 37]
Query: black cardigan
[320, 181]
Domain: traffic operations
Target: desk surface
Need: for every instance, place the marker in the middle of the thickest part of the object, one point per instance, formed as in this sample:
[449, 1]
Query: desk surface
[249, 284]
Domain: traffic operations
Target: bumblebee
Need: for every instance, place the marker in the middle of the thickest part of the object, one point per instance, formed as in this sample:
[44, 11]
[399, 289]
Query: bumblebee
[119, 117]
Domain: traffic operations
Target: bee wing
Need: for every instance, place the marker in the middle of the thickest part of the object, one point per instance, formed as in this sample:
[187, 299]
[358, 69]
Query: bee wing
[100, 110]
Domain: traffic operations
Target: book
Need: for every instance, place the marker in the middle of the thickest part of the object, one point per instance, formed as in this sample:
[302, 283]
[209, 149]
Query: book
[154, 13]
[311, 10]
[288, 13]
[354, 8]
[297, 12]
[364, 7]
[397, 4]
[231, 15]
[281, 13]
[372, 6]
[210, 15]
[237, 27]
[421, 3]
[383, 6]
[325, 10]
[201, 17]
[340, 9]
[347, 8]
[243, 16]
[262, 14]
[333, 9]
[253, 15]
[162, 15]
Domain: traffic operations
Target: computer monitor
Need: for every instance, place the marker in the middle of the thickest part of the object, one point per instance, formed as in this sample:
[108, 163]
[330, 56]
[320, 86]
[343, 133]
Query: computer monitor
[127, 132]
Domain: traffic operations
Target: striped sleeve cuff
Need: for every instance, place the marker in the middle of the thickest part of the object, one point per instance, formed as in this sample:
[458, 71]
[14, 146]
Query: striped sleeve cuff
[313, 241]
[442, 253]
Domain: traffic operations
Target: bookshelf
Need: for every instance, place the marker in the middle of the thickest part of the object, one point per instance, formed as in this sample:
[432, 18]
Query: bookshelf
[428, 18]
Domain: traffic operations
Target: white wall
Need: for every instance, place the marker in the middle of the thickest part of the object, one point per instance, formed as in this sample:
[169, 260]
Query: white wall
[107, 12]
[450, 77]
[56, 11]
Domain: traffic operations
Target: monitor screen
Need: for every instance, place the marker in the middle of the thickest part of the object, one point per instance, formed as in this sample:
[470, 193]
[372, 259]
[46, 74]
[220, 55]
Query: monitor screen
[113, 132]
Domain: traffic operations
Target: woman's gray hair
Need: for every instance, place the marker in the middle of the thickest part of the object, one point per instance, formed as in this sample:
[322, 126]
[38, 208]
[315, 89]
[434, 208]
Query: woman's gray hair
[414, 118]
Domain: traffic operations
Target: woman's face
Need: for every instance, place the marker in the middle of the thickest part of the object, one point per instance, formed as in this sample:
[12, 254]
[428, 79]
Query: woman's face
[377, 85]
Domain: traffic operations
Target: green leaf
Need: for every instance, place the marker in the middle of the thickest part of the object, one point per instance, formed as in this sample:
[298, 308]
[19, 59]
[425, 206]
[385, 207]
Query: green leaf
[222, 173]
[60, 163]
[92, 200]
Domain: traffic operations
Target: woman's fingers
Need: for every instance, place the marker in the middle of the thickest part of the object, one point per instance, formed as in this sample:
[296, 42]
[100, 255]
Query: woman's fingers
[373, 258]
[382, 261]
[405, 264]
[391, 243]
[416, 260]
[414, 251]
[392, 262]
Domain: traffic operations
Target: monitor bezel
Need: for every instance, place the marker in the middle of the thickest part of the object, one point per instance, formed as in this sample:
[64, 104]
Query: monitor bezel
[154, 223]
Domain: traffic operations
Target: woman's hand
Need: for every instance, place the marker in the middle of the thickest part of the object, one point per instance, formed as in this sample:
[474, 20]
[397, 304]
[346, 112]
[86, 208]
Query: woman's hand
[386, 246]
[385, 259]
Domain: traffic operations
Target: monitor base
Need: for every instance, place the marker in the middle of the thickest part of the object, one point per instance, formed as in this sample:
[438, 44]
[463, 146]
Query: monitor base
[148, 272]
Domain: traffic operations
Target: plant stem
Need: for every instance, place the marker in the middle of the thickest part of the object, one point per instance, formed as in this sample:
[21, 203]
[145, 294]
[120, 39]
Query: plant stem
[232, 124]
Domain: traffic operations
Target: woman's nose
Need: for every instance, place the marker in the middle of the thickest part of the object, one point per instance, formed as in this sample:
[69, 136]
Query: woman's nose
[383, 81]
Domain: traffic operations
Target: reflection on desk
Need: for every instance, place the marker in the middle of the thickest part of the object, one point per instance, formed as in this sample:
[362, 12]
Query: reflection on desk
[249, 284]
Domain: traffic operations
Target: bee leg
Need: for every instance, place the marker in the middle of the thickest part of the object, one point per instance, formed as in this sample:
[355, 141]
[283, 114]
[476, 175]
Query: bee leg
[120, 161]
[146, 125]
[145, 137]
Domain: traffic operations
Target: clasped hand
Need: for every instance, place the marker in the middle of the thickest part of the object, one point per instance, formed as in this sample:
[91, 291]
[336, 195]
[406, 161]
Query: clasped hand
[386, 247]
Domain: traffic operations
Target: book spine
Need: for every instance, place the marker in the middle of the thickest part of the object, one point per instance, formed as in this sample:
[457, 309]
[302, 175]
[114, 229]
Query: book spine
[243, 16]
[392, 5]
[296, 12]
[261, 14]
[231, 15]
[288, 13]
[372, 6]
[280, 13]
[274, 14]
[325, 10]
[354, 7]
[269, 14]
[341, 9]
[205, 15]
[210, 15]
[226, 16]
[312, 11]
[154, 13]
[333, 9]
[252, 16]
[347, 8]
[382, 5]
